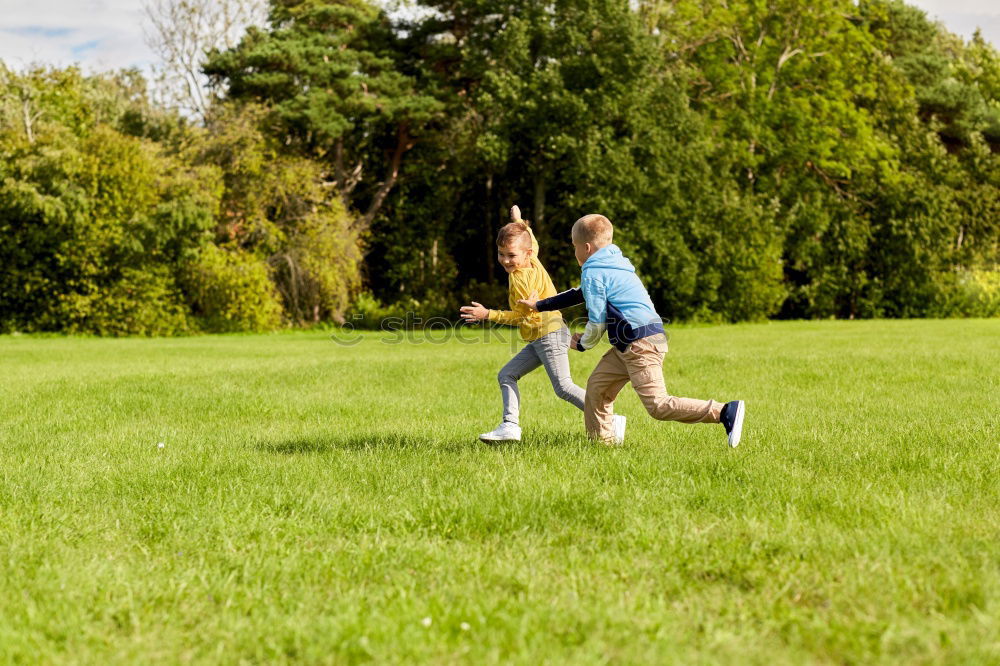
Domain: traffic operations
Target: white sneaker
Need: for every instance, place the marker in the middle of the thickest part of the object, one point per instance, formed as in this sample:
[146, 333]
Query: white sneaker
[619, 429]
[505, 432]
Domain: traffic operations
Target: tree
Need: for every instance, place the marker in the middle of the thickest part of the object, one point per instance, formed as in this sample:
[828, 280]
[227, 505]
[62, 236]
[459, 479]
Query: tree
[564, 107]
[278, 208]
[95, 224]
[327, 70]
[182, 32]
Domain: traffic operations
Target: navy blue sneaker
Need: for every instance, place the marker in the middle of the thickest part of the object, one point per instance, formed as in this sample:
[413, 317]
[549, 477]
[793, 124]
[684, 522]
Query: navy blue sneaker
[732, 418]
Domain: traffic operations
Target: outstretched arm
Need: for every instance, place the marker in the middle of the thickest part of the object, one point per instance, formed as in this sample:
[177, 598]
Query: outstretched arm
[473, 313]
[560, 301]
[478, 312]
[508, 317]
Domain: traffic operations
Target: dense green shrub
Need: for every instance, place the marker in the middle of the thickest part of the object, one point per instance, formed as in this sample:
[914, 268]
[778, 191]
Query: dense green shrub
[969, 293]
[368, 312]
[94, 222]
[230, 290]
[140, 302]
[109, 213]
[280, 207]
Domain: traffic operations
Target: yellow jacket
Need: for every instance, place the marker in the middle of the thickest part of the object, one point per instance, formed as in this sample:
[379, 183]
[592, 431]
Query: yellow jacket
[523, 282]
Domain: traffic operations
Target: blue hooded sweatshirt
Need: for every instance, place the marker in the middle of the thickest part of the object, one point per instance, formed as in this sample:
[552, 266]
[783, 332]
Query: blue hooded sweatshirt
[615, 300]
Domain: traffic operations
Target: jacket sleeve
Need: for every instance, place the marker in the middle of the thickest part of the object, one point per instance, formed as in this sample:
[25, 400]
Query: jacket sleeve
[591, 336]
[596, 298]
[561, 301]
[509, 317]
[597, 304]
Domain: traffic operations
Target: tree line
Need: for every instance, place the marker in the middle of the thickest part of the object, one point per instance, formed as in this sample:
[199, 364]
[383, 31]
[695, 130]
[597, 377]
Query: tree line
[759, 158]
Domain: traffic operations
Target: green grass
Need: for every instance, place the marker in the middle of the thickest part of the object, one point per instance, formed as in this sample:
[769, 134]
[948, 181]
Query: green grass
[316, 503]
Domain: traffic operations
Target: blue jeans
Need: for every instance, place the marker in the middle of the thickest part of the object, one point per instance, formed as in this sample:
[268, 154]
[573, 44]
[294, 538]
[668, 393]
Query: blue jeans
[551, 351]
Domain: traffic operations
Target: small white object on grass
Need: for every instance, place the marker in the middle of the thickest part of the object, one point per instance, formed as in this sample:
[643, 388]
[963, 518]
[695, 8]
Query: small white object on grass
[465, 626]
[426, 622]
[160, 445]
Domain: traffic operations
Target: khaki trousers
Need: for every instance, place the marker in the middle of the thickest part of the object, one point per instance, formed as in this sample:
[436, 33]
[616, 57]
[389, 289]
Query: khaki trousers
[641, 364]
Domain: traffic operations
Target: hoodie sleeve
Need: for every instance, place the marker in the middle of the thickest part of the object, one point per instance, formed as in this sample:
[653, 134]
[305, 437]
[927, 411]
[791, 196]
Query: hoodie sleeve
[597, 304]
[596, 299]
[591, 336]
[564, 299]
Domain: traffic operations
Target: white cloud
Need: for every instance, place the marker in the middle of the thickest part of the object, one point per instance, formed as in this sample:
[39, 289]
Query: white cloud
[960, 6]
[963, 17]
[97, 34]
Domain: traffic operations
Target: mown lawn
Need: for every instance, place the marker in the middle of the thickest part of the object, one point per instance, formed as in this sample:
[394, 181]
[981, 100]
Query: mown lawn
[325, 503]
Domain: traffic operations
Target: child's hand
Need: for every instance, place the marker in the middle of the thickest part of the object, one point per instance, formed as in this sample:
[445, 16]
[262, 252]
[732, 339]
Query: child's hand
[474, 312]
[574, 342]
[531, 302]
[515, 214]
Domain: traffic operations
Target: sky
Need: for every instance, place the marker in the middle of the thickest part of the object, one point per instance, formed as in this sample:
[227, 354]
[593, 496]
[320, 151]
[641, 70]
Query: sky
[97, 34]
[108, 34]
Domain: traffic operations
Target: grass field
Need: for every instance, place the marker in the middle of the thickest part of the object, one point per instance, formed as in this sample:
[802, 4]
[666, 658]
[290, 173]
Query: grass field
[323, 503]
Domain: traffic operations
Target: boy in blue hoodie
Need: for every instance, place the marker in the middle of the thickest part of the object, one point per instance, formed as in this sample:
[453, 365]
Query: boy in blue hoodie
[618, 304]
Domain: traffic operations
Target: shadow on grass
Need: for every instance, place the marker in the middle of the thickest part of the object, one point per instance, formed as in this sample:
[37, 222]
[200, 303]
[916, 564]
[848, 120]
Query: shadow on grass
[327, 443]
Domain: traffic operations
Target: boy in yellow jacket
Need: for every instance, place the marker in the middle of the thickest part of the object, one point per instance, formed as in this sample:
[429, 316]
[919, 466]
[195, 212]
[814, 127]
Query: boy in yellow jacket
[547, 336]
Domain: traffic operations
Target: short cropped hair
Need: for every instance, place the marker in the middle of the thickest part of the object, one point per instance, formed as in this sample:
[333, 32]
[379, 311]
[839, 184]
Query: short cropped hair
[594, 229]
[513, 233]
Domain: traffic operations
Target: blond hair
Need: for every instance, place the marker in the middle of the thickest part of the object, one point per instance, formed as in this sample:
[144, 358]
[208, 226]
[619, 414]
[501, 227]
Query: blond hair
[593, 229]
[512, 232]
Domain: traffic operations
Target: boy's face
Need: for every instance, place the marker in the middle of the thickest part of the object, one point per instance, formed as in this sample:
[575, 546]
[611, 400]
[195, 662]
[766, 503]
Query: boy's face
[514, 256]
